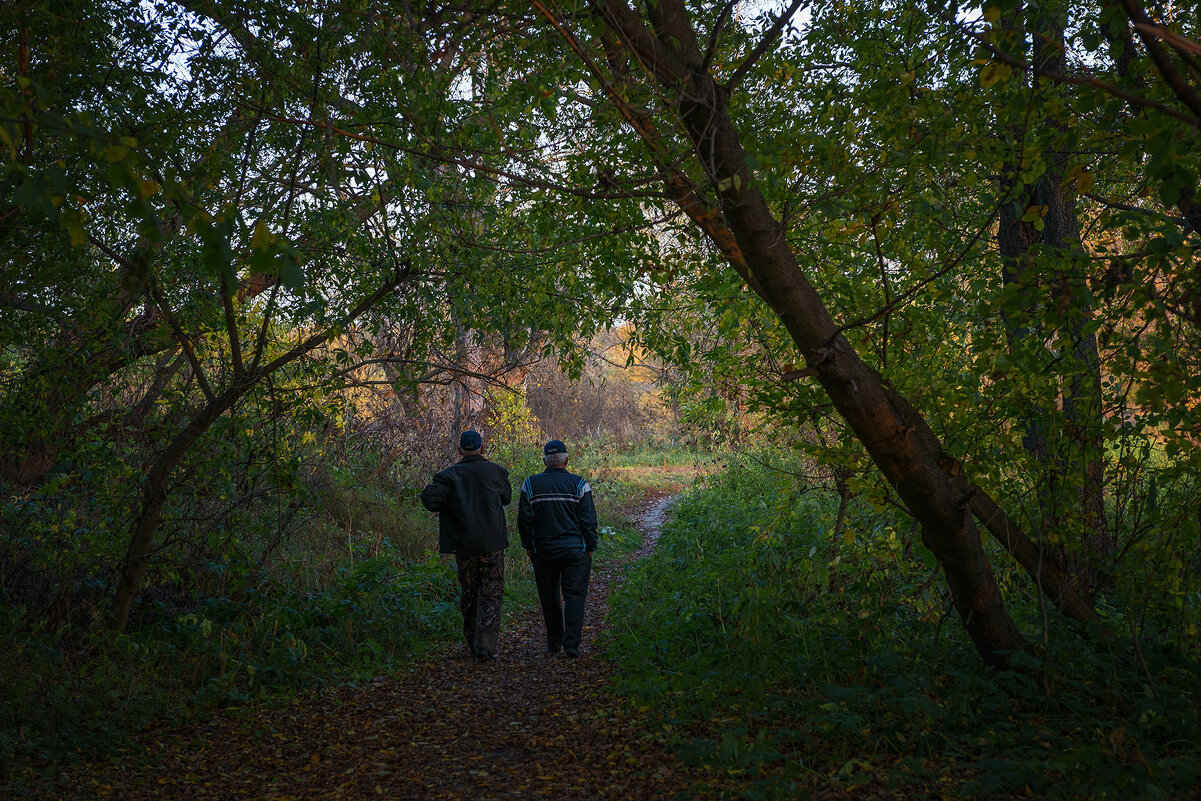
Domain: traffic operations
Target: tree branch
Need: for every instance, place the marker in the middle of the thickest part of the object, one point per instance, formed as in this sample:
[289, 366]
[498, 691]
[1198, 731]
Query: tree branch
[1175, 80]
[1060, 77]
[722, 16]
[183, 340]
[768, 39]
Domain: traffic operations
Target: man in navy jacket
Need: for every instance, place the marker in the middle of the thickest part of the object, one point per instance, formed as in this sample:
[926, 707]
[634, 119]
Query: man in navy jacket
[470, 497]
[557, 521]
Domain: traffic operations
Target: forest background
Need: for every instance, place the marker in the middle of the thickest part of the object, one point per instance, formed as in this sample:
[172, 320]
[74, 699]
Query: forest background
[929, 273]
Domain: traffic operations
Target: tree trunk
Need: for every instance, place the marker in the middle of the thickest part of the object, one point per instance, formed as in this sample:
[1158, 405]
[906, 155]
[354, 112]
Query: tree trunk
[683, 192]
[843, 488]
[1082, 395]
[898, 439]
[1066, 445]
[154, 495]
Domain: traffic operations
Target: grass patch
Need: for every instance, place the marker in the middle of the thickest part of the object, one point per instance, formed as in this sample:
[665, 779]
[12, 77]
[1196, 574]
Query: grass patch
[787, 672]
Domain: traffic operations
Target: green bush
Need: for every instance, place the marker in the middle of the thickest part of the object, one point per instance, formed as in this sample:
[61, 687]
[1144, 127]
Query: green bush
[78, 694]
[784, 662]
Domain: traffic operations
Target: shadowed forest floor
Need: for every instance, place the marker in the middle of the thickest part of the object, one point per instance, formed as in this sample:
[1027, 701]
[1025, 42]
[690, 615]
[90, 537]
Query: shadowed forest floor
[522, 726]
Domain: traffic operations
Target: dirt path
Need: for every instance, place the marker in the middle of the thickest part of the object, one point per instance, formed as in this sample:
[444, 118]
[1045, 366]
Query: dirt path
[523, 726]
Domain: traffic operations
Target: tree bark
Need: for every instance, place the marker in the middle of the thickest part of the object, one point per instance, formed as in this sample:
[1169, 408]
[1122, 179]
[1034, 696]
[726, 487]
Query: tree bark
[1066, 445]
[898, 439]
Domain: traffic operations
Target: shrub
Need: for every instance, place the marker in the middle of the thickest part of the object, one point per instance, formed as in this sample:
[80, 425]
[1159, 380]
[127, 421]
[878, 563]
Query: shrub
[782, 666]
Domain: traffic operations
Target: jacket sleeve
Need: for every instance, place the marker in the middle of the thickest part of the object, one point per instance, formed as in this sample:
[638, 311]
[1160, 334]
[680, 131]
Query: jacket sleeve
[525, 517]
[506, 495]
[587, 513]
[436, 495]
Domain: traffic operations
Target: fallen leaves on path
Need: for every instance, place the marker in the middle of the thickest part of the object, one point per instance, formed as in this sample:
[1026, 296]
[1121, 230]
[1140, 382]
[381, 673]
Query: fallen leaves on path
[523, 726]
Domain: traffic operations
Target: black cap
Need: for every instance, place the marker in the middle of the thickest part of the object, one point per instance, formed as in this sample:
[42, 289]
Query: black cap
[471, 441]
[554, 446]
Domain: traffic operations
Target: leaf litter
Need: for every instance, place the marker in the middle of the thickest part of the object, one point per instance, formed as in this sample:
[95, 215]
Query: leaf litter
[522, 726]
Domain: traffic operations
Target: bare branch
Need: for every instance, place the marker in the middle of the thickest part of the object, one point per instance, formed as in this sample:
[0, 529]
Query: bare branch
[768, 39]
[231, 324]
[722, 16]
[184, 342]
[1179, 86]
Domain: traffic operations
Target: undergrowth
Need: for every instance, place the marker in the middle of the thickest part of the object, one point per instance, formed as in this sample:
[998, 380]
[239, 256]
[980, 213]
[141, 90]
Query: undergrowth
[353, 590]
[791, 665]
[79, 692]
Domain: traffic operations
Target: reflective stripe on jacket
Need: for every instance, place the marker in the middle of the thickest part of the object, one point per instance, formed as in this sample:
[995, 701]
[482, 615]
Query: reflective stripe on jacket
[555, 513]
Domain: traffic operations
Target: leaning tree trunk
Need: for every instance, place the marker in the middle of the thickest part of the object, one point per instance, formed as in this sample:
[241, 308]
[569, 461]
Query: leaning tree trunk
[1050, 577]
[154, 496]
[898, 439]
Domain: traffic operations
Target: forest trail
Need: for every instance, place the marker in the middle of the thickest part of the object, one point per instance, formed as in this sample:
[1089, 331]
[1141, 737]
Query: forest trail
[523, 726]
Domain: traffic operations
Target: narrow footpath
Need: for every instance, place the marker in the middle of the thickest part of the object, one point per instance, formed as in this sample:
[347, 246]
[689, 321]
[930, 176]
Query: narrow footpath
[523, 726]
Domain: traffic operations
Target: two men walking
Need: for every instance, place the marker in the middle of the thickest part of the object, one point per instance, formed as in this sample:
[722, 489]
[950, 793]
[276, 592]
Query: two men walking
[557, 522]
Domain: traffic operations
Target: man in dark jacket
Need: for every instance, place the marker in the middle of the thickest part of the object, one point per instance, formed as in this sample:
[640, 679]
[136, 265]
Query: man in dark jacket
[470, 497]
[557, 521]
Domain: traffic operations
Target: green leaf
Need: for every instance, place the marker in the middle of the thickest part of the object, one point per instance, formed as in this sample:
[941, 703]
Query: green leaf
[34, 193]
[291, 275]
[217, 252]
[72, 223]
[1169, 192]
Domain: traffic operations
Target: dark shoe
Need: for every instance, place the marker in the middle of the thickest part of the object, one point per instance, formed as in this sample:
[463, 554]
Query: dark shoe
[554, 650]
[571, 653]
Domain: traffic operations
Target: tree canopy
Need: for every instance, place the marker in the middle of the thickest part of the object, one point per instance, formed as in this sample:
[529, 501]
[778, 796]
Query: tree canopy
[947, 250]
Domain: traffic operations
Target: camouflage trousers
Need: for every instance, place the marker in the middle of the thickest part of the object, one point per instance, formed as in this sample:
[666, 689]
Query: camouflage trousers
[482, 582]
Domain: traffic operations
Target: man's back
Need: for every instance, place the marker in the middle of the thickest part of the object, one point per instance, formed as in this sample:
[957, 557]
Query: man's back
[556, 513]
[470, 497]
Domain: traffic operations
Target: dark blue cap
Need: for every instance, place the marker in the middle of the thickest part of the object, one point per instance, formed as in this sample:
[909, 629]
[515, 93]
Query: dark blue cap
[471, 441]
[554, 446]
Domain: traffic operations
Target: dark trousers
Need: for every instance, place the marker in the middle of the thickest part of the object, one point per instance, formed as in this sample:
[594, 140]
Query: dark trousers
[482, 582]
[565, 576]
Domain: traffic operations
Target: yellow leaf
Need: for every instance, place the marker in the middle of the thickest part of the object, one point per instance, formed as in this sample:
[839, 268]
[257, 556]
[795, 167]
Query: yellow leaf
[1084, 181]
[262, 237]
[994, 73]
[78, 237]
